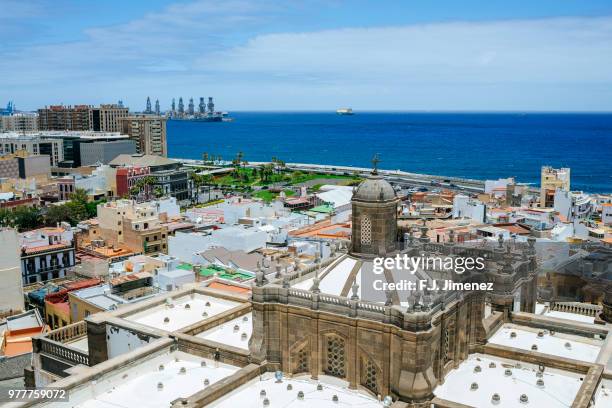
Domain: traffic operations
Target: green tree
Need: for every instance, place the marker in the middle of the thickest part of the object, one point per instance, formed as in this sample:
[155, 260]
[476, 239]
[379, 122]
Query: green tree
[27, 218]
[6, 218]
[79, 196]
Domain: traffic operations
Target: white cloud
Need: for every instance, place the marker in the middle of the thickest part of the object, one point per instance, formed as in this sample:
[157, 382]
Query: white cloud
[209, 46]
[551, 50]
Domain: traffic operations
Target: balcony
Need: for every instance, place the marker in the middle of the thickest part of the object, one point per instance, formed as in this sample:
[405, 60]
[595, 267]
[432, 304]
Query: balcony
[55, 352]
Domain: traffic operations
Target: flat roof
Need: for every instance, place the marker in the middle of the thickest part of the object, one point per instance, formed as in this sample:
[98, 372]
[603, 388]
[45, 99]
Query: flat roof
[569, 316]
[231, 332]
[248, 395]
[139, 384]
[559, 390]
[603, 398]
[557, 344]
[182, 312]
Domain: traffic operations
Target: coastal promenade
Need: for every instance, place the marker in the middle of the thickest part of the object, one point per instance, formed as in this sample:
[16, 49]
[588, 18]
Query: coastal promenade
[397, 177]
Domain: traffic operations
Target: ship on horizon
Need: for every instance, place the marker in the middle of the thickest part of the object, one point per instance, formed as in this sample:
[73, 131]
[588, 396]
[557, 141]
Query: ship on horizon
[205, 113]
[344, 111]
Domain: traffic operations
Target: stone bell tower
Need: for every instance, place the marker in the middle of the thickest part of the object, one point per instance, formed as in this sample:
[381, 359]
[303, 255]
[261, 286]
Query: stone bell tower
[374, 226]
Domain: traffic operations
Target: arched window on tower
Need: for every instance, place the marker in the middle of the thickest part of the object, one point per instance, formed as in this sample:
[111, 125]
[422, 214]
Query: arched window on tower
[366, 230]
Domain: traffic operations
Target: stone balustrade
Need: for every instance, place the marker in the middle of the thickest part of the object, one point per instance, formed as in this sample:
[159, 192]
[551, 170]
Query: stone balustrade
[585, 309]
[62, 351]
[68, 333]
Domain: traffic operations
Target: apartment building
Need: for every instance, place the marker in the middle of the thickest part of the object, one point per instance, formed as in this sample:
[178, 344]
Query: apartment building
[149, 133]
[46, 253]
[60, 117]
[19, 122]
[551, 181]
[125, 223]
[106, 117]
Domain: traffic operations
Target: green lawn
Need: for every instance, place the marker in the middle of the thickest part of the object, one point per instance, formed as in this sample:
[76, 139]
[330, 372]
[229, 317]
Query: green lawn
[247, 177]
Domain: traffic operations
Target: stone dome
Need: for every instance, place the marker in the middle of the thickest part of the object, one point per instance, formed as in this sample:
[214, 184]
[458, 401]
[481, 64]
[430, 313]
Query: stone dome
[374, 189]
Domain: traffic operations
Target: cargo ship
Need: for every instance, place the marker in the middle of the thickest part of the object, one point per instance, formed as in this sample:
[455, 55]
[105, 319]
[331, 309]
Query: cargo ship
[205, 112]
[344, 111]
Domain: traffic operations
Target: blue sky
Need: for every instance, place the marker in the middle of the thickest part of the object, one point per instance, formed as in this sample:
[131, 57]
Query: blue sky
[540, 55]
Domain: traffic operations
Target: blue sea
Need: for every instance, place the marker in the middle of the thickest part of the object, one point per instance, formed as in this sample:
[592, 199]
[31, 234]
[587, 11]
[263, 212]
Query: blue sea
[472, 145]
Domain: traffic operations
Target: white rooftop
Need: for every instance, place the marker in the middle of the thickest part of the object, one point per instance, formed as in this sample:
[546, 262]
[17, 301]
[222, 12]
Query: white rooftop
[227, 333]
[569, 316]
[558, 390]
[557, 344]
[139, 385]
[248, 395]
[182, 312]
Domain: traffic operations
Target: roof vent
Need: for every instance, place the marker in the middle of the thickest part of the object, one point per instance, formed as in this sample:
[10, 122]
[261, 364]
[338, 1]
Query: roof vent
[166, 319]
[245, 319]
[187, 306]
[540, 334]
[539, 374]
[207, 304]
[301, 395]
[236, 327]
[204, 314]
[512, 335]
[508, 372]
[540, 383]
[495, 399]
[262, 393]
[335, 398]
[161, 367]
[206, 381]
[160, 386]
[243, 336]
[319, 387]
[534, 347]
[524, 398]
[477, 369]
[474, 386]
[183, 370]
[289, 387]
[203, 363]
[492, 365]
[568, 345]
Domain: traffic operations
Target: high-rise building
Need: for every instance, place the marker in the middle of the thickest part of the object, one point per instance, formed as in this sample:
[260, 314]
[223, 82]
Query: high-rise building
[157, 110]
[149, 133]
[173, 105]
[148, 107]
[106, 117]
[190, 107]
[19, 122]
[60, 117]
[181, 107]
[551, 180]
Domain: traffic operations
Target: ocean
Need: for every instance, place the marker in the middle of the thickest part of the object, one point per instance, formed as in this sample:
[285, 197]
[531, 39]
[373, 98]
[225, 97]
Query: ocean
[472, 145]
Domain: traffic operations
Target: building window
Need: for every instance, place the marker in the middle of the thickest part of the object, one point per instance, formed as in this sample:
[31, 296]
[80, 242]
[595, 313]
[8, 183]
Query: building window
[335, 357]
[366, 230]
[369, 375]
[302, 361]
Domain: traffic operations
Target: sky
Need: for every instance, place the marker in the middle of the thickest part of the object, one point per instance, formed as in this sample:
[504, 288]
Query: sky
[404, 55]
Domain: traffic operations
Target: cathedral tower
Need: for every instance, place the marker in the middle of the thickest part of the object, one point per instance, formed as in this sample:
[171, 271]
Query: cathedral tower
[374, 229]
